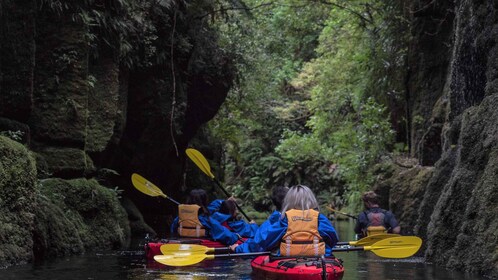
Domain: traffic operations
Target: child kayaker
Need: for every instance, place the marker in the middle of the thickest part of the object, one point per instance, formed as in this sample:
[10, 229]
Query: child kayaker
[300, 231]
[277, 197]
[194, 220]
[227, 217]
[375, 220]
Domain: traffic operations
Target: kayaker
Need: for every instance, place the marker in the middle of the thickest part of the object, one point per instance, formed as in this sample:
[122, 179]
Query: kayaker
[277, 197]
[375, 220]
[227, 217]
[300, 231]
[194, 220]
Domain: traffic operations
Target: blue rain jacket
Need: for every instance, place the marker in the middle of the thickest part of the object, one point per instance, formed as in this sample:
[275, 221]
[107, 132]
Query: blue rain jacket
[269, 238]
[214, 206]
[252, 244]
[240, 227]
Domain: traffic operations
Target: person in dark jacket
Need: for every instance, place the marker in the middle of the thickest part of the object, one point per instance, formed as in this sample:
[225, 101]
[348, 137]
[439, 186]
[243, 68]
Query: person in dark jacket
[277, 197]
[375, 220]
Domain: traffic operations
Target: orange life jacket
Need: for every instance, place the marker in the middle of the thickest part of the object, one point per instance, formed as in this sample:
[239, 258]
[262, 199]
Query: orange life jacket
[188, 221]
[302, 237]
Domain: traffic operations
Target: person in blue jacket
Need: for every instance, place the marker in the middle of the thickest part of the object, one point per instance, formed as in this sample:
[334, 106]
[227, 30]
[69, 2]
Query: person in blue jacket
[277, 197]
[299, 198]
[200, 224]
[227, 217]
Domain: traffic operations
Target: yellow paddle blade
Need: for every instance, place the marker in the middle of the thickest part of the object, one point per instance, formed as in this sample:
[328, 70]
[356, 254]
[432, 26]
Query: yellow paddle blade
[181, 254]
[396, 247]
[168, 249]
[200, 161]
[178, 260]
[148, 188]
[371, 239]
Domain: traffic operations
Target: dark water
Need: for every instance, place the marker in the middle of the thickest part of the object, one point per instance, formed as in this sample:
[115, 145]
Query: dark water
[131, 265]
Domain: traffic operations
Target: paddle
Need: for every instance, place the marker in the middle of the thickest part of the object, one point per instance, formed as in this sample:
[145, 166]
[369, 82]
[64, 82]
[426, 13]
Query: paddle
[394, 247]
[369, 240]
[148, 188]
[173, 248]
[203, 165]
[169, 249]
[342, 213]
[184, 260]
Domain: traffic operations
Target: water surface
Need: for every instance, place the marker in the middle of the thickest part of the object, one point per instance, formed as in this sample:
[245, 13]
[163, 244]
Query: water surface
[130, 264]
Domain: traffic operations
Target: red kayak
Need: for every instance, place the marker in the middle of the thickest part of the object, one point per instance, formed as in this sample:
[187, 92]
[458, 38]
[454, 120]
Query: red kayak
[154, 248]
[268, 267]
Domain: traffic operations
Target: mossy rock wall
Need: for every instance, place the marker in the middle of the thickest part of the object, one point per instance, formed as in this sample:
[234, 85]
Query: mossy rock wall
[401, 184]
[85, 97]
[457, 134]
[17, 202]
[77, 215]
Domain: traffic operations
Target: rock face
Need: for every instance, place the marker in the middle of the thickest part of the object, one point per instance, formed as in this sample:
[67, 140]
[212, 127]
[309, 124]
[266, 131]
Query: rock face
[453, 90]
[17, 202]
[91, 109]
[92, 218]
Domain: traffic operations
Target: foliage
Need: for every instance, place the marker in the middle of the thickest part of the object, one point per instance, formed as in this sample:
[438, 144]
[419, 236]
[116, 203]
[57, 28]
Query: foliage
[310, 105]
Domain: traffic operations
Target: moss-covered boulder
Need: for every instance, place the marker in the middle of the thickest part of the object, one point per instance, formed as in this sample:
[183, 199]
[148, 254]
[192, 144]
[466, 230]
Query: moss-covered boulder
[17, 202]
[78, 215]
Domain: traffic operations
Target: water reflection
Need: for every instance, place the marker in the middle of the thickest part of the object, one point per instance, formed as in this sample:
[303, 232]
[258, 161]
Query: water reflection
[131, 265]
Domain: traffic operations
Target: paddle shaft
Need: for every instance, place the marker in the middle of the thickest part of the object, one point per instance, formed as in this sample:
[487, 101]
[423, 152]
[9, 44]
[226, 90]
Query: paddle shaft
[349, 249]
[170, 199]
[342, 213]
[200, 161]
[241, 255]
[228, 195]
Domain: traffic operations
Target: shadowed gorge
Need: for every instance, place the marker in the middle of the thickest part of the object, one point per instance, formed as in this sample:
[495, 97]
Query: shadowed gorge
[392, 96]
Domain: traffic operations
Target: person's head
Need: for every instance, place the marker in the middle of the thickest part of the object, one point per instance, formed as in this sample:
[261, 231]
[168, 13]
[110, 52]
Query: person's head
[370, 199]
[199, 197]
[301, 198]
[277, 196]
[229, 207]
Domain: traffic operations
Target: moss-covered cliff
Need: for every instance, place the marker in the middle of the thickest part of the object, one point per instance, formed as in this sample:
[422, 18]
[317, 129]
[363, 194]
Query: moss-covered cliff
[453, 95]
[53, 217]
[97, 90]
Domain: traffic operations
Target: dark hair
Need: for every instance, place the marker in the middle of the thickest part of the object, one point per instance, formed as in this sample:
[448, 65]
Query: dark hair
[370, 197]
[277, 196]
[228, 207]
[199, 197]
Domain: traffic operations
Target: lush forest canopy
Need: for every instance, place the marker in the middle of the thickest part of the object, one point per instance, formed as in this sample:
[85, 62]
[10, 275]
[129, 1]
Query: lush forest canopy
[316, 82]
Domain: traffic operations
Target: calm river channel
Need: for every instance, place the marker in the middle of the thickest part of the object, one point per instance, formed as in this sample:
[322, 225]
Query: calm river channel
[130, 264]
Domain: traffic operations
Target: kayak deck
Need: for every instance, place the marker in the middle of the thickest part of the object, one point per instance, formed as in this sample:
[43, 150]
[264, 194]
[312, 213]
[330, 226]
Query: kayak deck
[267, 267]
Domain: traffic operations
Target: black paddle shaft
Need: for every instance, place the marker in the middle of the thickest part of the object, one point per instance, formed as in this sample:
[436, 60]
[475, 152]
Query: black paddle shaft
[228, 195]
[254, 254]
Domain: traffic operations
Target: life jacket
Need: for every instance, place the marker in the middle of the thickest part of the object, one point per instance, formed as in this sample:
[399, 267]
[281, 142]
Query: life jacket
[376, 222]
[188, 221]
[302, 237]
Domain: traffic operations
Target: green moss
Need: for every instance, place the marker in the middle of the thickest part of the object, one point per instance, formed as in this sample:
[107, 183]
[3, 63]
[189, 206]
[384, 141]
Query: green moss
[63, 161]
[89, 214]
[17, 202]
